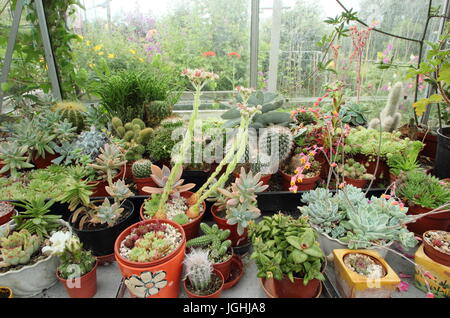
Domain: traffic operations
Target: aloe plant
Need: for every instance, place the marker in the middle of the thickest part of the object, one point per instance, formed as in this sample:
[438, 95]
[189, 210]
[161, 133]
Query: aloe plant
[14, 158]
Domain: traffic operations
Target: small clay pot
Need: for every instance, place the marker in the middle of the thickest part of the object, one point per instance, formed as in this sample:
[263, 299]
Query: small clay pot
[216, 294]
[439, 221]
[306, 185]
[143, 182]
[434, 254]
[7, 217]
[358, 183]
[392, 178]
[87, 287]
[225, 267]
[42, 163]
[99, 186]
[269, 287]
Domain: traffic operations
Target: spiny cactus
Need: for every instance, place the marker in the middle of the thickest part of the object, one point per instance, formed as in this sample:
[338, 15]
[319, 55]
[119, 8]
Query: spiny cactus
[214, 238]
[199, 269]
[156, 111]
[73, 112]
[276, 142]
[142, 168]
[390, 117]
[18, 248]
[135, 135]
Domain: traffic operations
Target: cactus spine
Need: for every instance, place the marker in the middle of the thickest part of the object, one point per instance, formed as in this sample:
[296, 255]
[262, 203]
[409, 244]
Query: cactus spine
[135, 135]
[198, 269]
[73, 112]
[213, 237]
[389, 116]
[142, 168]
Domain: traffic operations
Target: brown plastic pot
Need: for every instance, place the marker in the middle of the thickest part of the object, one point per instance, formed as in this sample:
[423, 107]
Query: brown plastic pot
[265, 178]
[306, 185]
[236, 272]
[86, 287]
[42, 163]
[99, 186]
[358, 183]
[235, 238]
[439, 221]
[191, 229]
[383, 168]
[7, 217]
[430, 141]
[216, 294]
[143, 182]
[392, 178]
[434, 254]
[225, 267]
[271, 289]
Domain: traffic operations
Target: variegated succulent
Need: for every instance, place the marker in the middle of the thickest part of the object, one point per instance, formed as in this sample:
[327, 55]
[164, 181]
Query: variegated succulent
[109, 160]
[161, 176]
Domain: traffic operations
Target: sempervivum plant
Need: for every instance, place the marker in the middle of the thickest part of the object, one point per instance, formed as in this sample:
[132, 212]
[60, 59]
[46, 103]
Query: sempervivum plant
[18, 247]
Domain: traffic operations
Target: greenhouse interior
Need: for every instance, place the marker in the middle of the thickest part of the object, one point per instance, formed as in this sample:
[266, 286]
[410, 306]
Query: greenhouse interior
[225, 149]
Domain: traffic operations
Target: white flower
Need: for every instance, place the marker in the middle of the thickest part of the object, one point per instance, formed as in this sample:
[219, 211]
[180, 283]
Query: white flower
[58, 242]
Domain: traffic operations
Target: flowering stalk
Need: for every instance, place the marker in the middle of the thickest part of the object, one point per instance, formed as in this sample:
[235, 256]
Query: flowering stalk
[199, 78]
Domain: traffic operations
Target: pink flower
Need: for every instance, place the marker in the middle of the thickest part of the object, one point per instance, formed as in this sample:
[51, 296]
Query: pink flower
[428, 275]
[429, 295]
[333, 164]
[341, 185]
[401, 275]
[403, 286]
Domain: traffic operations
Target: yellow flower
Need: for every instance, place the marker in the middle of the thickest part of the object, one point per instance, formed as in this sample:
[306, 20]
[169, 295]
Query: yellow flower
[100, 53]
[98, 47]
[111, 56]
[91, 65]
[88, 43]
[132, 51]
[141, 59]
[81, 37]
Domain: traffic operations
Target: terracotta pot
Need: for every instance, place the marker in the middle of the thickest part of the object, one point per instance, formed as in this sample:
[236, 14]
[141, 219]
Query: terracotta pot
[143, 182]
[392, 178]
[234, 237]
[358, 183]
[306, 185]
[430, 141]
[264, 178]
[42, 163]
[271, 289]
[190, 229]
[225, 267]
[236, 272]
[434, 254]
[324, 165]
[7, 217]
[87, 287]
[440, 221]
[128, 173]
[164, 273]
[99, 186]
[6, 292]
[216, 294]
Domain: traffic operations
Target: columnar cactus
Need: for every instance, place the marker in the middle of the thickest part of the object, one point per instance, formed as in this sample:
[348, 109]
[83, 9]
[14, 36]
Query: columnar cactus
[214, 238]
[198, 269]
[18, 248]
[390, 117]
[135, 135]
[276, 142]
[156, 111]
[73, 112]
[142, 168]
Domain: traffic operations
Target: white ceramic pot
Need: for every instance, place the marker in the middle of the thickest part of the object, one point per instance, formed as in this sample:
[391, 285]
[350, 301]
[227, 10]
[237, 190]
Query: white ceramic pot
[31, 280]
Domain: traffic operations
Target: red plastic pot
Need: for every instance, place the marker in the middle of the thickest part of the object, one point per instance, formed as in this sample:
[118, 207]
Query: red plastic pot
[324, 165]
[234, 237]
[236, 272]
[358, 183]
[191, 229]
[383, 168]
[7, 217]
[42, 163]
[306, 185]
[265, 178]
[82, 287]
[225, 267]
[440, 221]
[157, 279]
[99, 186]
[430, 141]
[434, 254]
[143, 182]
[216, 294]
[128, 174]
[286, 289]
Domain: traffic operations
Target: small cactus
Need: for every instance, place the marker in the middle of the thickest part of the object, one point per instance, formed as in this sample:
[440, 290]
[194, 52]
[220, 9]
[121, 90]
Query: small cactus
[389, 116]
[276, 142]
[156, 111]
[18, 248]
[142, 168]
[214, 238]
[199, 269]
[73, 112]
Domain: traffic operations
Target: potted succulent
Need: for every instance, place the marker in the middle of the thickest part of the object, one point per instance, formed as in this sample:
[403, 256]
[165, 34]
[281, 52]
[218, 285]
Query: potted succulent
[236, 206]
[347, 219]
[363, 274]
[288, 256]
[201, 280]
[436, 246]
[423, 193]
[177, 205]
[302, 171]
[354, 173]
[404, 161]
[141, 170]
[216, 241]
[7, 210]
[150, 256]
[14, 158]
[77, 269]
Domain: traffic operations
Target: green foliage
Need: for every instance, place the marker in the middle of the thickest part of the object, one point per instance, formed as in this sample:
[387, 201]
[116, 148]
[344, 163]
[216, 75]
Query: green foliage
[354, 170]
[352, 218]
[406, 160]
[419, 188]
[284, 246]
[353, 114]
[13, 158]
[135, 135]
[18, 247]
[76, 192]
[215, 239]
[160, 144]
[73, 112]
[90, 142]
[74, 255]
[142, 168]
[152, 246]
[156, 111]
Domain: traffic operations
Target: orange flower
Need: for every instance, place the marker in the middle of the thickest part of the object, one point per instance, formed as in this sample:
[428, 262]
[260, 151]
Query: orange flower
[234, 54]
[209, 53]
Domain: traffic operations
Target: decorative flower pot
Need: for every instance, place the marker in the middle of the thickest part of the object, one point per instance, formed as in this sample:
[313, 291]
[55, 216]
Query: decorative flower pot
[265, 178]
[101, 241]
[269, 288]
[191, 229]
[6, 218]
[441, 169]
[6, 292]
[353, 285]
[42, 163]
[306, 185]
[143, 182]
[438, 275]
[216, 294]
[430, 141]
[235, 238]
[435, 254]
[81, 287]
[99, 186]
[358, 183]
[157, 279]
[440, 221]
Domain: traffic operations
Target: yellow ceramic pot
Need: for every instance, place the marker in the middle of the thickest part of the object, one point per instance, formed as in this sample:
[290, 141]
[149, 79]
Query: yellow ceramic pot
[6, 290]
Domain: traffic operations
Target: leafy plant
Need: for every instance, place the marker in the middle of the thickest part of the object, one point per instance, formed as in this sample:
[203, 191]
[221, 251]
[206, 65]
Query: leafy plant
[76, 192]
[74, 255]
[13, 157]
[353, 114]
[18, 248]
[160, 144]
[406, 160]
[215, 240]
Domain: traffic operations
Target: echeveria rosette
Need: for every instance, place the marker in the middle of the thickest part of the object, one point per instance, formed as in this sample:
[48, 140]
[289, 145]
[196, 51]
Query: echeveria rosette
[241, 216]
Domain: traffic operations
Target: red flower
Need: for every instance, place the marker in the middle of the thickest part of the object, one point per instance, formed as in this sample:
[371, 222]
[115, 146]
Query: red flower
[209, 53]
[231, 54]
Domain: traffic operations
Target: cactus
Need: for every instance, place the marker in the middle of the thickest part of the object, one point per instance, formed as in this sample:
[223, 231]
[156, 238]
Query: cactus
[276, 142]
[18, 248]
[142, 168]
[135, 135]
[389, 116]
[354, 170]
[73, 112]
[270, 102]
[199, 270]
[156, 111]
[215, 239]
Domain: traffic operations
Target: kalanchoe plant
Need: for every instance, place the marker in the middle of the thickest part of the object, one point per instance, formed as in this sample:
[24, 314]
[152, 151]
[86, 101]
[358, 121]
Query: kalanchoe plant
[14, 158]
[284, 246]
[355, 220]
[215, 240]
[18, 248]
